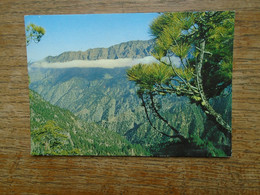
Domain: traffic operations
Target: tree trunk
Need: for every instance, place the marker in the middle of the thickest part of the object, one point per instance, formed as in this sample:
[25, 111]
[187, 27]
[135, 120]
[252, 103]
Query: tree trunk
[214, 116]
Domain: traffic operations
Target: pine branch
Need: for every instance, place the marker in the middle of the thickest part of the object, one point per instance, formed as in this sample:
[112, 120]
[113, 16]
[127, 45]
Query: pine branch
[150, 122]
[164, 120]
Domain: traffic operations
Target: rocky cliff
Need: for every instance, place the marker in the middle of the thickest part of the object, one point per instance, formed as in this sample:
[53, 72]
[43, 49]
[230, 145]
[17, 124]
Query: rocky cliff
[131, 49]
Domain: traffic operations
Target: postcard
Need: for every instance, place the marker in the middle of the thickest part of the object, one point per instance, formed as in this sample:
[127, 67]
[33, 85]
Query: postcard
[131, 84]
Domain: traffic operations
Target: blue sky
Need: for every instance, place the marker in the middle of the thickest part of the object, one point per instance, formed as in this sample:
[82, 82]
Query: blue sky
[81, 32]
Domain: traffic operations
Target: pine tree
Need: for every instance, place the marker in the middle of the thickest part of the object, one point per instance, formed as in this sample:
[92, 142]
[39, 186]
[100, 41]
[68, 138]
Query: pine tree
[203, 43]
[33, 33]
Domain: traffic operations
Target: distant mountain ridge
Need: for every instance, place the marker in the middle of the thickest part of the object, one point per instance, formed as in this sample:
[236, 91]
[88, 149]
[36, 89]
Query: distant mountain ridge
[130, 49]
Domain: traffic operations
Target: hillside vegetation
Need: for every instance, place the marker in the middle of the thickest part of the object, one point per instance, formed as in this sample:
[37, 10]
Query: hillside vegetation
[56, 131]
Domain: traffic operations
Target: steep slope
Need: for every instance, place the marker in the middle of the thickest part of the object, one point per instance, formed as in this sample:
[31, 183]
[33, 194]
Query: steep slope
[72, 136]
[106, 97]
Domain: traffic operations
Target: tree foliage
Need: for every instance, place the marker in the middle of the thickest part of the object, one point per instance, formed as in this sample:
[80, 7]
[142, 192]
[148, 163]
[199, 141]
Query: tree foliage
[48, 139]
[33, 33]
[203, 43]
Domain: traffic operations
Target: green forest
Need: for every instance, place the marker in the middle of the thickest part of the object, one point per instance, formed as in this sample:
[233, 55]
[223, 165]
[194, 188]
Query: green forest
[163, 108]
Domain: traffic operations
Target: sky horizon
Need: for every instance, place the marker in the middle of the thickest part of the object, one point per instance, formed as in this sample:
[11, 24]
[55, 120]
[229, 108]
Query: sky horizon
[85, 31]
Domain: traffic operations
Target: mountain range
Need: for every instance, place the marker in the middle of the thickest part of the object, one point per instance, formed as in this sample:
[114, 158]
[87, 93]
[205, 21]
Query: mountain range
[104, 97]
[131, 49]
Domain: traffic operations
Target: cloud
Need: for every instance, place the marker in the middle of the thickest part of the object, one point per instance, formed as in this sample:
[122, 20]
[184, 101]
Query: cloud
[104, 63]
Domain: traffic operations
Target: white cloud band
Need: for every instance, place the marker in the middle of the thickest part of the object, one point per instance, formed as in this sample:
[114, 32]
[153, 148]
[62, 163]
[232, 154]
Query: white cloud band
[104, 63]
